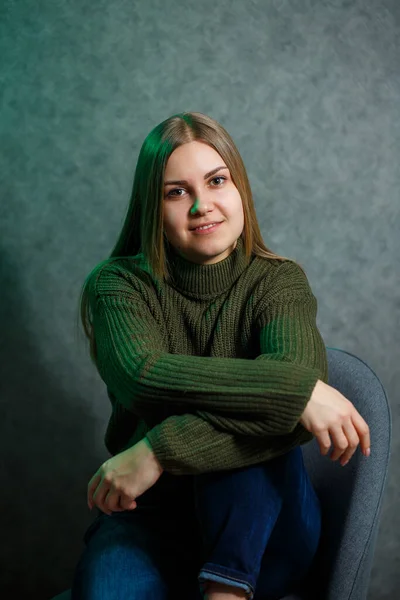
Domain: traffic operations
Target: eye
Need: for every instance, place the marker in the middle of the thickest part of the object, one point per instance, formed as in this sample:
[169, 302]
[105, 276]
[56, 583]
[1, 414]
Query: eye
[214, 178]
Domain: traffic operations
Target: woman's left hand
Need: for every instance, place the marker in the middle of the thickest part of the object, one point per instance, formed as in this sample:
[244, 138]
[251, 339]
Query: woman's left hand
[124, 477]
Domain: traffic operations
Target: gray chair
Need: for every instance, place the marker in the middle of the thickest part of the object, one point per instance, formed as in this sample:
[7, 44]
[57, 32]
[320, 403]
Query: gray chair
[351, 496]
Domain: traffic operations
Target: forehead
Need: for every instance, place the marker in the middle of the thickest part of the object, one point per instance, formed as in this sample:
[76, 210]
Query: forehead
[194, 156]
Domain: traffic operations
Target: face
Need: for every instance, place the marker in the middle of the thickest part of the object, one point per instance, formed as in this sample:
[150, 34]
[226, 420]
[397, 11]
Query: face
[199, 199]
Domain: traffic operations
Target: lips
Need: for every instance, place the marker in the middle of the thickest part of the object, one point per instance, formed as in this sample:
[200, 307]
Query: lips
[205, 224]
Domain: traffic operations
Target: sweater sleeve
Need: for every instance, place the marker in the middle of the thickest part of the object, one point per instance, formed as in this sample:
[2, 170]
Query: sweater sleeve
[147, 380]
[189, 445]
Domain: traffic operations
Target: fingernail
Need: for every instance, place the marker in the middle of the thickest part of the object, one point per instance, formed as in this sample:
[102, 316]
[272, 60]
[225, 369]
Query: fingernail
[368, 452]
[345, 463]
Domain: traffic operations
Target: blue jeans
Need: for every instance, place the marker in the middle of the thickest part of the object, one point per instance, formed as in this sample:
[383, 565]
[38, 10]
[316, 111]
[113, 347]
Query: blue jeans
[255, 528]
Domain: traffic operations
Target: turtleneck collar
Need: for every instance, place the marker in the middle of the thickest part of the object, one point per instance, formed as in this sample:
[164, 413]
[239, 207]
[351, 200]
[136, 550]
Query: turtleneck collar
[202, 281]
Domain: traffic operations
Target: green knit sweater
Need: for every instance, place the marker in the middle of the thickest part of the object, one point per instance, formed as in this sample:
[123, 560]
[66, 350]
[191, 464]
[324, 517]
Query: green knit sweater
[215, 370]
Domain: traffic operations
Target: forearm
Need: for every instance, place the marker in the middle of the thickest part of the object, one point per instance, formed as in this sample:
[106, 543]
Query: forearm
[188, 445]
[275, 391]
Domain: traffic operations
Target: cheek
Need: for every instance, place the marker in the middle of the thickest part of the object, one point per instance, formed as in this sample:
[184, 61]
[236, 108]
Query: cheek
[172, 221]
[239, 205]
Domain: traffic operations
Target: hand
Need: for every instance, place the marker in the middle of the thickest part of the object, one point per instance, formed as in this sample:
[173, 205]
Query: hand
[328, 412]
[124, 477]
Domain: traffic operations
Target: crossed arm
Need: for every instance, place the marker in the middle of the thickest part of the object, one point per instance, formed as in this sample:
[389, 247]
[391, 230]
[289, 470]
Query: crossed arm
[215, 413]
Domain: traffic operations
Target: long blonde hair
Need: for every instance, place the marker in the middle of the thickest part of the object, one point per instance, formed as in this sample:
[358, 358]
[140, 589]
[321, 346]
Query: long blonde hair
[142, 231]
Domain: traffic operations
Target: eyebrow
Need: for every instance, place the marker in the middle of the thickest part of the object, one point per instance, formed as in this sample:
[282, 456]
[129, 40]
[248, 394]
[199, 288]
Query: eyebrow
[184, 182]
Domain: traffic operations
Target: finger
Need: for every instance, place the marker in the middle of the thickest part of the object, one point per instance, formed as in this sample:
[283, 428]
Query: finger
[363, 433]
[118, 502]
[353, 439]
[127, 503]
[117, 507]
[99, 497]
[92, 486]
[324, 441]
[339, 441]
[112, 501]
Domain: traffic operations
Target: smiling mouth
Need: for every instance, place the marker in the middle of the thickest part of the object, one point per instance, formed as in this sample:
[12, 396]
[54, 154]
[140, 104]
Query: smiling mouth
[208, 226]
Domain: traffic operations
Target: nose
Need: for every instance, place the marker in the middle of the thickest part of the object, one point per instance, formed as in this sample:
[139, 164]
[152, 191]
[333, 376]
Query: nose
[198, 207]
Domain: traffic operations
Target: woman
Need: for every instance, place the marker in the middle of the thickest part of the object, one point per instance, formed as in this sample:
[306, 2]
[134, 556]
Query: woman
[206, 493]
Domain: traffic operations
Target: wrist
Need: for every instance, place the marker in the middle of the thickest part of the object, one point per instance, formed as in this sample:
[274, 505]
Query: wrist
[151, 455]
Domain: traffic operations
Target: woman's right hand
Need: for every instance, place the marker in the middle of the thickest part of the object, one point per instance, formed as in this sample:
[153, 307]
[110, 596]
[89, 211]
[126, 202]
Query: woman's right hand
[329, 414]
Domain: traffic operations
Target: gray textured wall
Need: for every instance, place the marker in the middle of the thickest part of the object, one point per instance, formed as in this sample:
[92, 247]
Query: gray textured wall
[310, 92]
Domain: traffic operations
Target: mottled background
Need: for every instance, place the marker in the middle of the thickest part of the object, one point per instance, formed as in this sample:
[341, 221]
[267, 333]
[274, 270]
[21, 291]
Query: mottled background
[309, 91]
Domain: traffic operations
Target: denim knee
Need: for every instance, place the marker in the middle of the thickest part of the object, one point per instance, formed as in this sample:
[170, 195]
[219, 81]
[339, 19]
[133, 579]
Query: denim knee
[150, 552]
[237, 511]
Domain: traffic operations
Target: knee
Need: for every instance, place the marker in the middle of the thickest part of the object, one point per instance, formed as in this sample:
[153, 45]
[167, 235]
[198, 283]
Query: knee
[100, 572]
[245, 486]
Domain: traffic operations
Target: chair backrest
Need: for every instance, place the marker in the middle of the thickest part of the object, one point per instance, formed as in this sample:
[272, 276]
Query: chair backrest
[351, 496]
